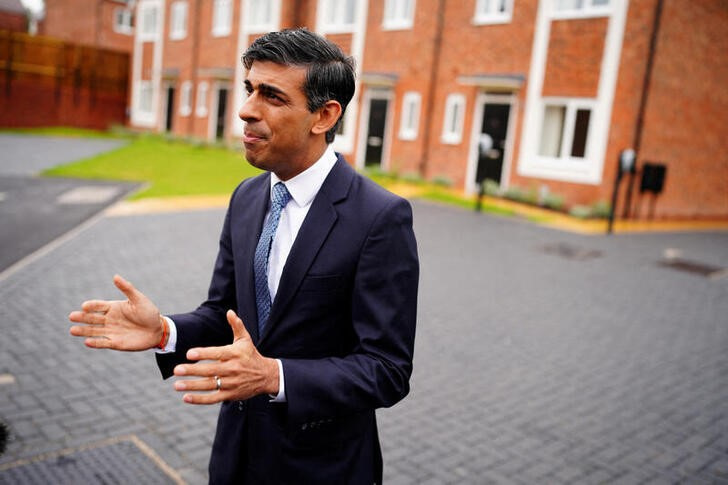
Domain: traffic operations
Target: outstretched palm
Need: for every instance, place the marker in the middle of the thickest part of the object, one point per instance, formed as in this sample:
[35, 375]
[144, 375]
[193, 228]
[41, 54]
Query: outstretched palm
[132, 324]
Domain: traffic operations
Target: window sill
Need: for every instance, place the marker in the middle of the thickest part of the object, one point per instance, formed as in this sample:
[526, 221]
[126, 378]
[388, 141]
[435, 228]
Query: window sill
[494, 20]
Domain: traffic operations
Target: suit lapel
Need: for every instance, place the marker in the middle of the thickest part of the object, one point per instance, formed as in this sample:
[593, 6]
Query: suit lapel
[251, 208]
[315, 229]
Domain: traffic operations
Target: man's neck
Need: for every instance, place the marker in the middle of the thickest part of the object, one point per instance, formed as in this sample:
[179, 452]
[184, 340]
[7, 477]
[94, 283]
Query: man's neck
[313, 155]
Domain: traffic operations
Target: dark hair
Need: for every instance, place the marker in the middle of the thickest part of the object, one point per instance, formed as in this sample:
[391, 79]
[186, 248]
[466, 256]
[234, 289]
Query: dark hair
[329, 72]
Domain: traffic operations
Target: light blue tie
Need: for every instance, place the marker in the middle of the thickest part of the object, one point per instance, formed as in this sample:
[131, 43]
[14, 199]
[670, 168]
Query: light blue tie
[279, 198]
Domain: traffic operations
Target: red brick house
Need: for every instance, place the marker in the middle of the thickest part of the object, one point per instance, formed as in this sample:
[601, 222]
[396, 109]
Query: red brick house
[13, 16]
[540, 95]
[107, 24]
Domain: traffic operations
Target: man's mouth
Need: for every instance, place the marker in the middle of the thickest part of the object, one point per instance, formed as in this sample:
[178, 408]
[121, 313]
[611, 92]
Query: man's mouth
[252, 137]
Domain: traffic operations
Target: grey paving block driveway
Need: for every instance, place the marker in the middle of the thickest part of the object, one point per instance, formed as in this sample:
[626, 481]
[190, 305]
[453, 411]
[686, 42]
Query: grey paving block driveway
[530, 366]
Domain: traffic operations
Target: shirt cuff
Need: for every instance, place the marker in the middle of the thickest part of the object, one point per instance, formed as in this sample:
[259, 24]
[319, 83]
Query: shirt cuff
[281, 397]
[172, 340]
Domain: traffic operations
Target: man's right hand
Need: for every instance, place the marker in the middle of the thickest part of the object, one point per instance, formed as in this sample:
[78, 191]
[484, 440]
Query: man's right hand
[134, 324]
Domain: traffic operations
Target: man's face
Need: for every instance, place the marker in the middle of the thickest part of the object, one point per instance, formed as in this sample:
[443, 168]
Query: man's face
[277, 135]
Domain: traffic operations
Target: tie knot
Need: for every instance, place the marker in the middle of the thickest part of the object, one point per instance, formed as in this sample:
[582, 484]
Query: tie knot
[280, 196]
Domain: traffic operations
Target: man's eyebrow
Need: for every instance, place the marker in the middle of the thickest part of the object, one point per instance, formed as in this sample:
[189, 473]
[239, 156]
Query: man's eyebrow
[266, 88]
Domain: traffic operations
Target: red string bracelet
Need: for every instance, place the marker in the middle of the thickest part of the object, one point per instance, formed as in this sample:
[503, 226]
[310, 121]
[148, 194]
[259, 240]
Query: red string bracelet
[165, 332]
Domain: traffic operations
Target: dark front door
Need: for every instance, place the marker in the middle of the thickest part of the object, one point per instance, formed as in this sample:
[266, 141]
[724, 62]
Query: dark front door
[375, 138]
[170, 108]
[222, 96]
[492, 142]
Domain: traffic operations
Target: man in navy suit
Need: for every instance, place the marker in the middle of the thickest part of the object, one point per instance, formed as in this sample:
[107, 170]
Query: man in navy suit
[310, 319]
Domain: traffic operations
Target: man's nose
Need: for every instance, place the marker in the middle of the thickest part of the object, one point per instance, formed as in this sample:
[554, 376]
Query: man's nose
[248, 111]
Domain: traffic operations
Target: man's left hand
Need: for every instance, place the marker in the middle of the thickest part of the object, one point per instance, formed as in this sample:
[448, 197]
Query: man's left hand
[239, 369]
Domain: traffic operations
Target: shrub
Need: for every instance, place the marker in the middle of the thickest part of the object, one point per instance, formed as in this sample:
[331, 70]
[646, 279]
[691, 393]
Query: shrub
[412, 177]
[580, 211]
[601, 209]
[442, 181]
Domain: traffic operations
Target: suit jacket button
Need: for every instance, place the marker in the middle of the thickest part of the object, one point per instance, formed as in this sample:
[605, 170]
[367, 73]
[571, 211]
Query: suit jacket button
[241, 406]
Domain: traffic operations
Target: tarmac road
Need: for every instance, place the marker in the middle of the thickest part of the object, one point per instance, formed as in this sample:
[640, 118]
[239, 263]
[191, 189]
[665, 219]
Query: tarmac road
[35, 211]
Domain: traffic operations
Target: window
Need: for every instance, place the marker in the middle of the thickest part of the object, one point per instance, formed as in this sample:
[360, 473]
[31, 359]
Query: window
[201, 108]
[178, 21]
[410, 116]
[338, 15]
[185, 99]
[493, 11]
[144, 101]
[565, 129]
[581, 8]
[452, 129]
[398, 14]
[260, 15]
[148, 22]
[123, 21]
[222, 13]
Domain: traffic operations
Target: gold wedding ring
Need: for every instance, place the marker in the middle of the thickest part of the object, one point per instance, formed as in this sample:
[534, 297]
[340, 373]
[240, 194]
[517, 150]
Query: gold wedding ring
[218, 382]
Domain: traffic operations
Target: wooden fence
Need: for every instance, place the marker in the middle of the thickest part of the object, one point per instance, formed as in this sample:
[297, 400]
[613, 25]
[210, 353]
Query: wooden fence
[48, 82]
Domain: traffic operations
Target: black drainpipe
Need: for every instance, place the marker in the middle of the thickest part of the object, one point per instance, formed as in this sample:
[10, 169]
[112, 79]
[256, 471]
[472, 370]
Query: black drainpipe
[643, 101]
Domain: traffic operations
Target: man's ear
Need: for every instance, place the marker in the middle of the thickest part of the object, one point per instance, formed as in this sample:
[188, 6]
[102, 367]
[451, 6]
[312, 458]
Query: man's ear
[328, 116]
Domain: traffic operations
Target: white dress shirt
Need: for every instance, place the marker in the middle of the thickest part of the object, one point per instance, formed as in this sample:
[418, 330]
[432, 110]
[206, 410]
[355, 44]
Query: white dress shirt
[303, 189]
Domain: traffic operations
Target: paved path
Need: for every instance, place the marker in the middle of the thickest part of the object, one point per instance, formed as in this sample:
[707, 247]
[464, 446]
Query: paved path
[541, 356]
[34, 210]
[22, 154]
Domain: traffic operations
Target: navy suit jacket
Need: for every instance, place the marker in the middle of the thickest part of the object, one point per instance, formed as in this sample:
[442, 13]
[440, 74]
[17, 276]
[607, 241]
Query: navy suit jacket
[342, 323]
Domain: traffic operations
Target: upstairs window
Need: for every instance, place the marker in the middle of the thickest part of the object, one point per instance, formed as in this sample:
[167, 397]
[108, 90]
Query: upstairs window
[178, 20]
[452, 128]
[581, 8]
[565, 129]
[222, 14]
[410, 122]
[260, 15]
[493, 11]
[398, 14]
[148, 24]
[338, 15]
[123, 21]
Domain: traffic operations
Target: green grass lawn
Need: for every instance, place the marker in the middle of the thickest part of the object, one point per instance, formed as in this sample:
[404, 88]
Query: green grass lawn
[169, 167]
[173, 167]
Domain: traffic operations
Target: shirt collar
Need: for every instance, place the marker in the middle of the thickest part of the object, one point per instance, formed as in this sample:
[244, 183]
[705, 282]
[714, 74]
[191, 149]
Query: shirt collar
[304, 186]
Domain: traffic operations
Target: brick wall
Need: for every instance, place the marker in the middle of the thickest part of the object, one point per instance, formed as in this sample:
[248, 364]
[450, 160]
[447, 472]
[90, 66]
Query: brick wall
[85, 22]
[687, 111]
[13, 22]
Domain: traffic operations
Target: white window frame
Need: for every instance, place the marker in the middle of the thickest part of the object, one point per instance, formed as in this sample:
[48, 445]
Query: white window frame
[203, 89]
[333, 16]
[571, 105]
[123, 18]
[256, 21]
[148, 28]
[178, 20]
[185, 98]
[486, 12]
[454, 119]
[146, 92]
[398, 14]
[222, 18]
[410, 122]
[581, 9]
